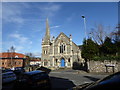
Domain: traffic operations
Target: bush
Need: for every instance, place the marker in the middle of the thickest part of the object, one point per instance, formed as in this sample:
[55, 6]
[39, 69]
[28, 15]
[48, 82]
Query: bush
[102, 58]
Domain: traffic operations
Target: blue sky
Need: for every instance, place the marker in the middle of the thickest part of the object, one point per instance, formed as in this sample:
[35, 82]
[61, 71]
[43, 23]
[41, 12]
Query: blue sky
[23, 24]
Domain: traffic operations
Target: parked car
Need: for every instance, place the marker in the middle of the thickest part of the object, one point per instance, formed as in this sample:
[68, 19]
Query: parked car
[8, 77]
[110, 82]
[47, 70]
[34, 80]
[18, 70]
[6, 70]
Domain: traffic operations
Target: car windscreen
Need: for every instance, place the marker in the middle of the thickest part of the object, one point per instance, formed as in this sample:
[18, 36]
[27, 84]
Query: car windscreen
[113, 79]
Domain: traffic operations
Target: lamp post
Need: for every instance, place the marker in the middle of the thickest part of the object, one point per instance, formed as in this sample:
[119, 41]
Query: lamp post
[85, 27]
[88, 66]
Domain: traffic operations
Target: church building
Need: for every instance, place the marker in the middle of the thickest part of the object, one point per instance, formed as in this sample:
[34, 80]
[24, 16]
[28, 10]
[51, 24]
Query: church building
[60, 51]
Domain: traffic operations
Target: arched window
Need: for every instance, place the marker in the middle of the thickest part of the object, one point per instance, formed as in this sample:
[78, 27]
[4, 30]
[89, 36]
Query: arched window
[45, 63]
[16, 56]
[45, 52]
[56, 60]
[69, 60]
[62, 48]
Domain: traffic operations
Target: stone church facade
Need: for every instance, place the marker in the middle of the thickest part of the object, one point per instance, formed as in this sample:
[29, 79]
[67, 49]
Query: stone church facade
[60, 51]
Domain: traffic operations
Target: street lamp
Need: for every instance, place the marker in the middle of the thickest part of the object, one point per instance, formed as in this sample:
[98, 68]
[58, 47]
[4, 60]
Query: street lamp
[85, 28]
[86, 40]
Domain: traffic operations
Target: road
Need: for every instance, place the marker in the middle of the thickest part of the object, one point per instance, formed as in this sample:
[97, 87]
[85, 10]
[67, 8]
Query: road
[65, 79]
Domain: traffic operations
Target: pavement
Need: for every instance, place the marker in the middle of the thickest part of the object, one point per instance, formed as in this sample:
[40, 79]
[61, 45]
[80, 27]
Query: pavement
[68, 78]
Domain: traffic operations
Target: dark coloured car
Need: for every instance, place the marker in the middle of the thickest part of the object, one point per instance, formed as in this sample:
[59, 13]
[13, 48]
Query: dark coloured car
[44, 69]
[18, 71]
[33, 80]
[8, 77]
[111, 82]
[8, 80]
[6, 70]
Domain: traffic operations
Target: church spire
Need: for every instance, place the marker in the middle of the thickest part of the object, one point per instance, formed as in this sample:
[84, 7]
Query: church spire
[47, 28]
[46, 40]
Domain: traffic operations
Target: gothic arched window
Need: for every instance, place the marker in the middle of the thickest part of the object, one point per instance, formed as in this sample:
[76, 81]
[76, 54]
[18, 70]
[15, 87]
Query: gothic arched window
[56, 60]
[62, 48]
[45, 52]
[69, 60]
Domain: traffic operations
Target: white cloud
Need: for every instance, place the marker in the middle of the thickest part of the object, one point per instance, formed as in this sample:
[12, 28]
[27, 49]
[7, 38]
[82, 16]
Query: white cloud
[17, 19]
[50, 9]
[19, 48]
[55, 26]
[37, 54]
[19, 41]
[13, 12]
[30, 42]
[69, 18]
[19, 37]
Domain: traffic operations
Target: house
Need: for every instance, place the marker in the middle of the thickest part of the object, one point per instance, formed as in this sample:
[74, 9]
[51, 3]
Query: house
[35, 61]
[12, 59]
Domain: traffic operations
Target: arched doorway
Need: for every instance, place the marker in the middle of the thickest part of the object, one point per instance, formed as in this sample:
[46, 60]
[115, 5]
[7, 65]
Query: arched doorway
[62, 62]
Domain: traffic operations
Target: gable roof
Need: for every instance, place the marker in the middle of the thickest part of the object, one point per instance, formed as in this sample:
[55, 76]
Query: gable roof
[65, 36]
[8, 55]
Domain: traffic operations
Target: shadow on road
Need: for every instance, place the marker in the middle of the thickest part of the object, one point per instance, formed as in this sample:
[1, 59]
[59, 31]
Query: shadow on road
[61, 83]
[91, 78]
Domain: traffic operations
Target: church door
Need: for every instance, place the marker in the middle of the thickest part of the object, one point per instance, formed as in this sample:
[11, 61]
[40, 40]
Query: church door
[62, 62]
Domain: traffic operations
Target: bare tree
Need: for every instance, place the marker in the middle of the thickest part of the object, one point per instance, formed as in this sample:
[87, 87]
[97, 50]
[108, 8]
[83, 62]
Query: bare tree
[11, 52]
[29, 54]
[98, 34]
[115, 35]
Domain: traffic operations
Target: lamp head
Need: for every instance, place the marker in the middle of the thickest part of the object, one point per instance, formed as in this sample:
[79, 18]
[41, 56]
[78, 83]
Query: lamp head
[83, 16]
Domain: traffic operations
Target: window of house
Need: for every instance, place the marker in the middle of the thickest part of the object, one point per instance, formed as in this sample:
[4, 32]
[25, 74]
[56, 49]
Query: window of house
[19, 63]
[62, 48]
[2, 63]
[69, 60]
[16, 56]
[56, 60]
[45, 63]
[45, 52]
[78, 59]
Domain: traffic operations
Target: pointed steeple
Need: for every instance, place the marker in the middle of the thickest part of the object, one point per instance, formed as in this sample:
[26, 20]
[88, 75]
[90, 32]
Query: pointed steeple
[47, 28]
[46, 40]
